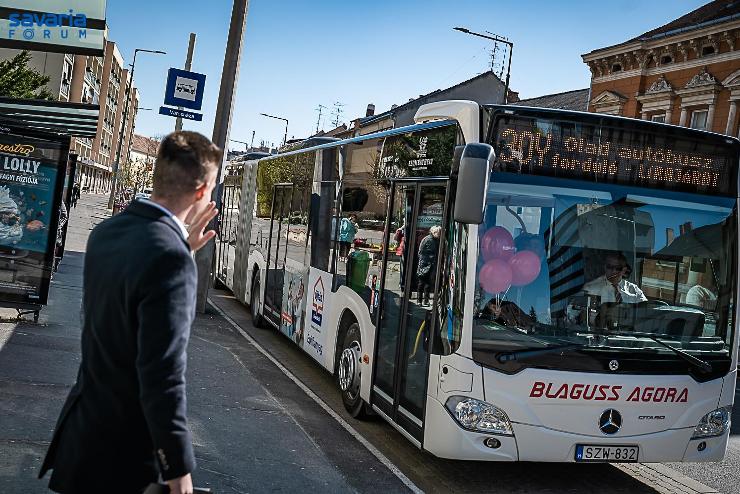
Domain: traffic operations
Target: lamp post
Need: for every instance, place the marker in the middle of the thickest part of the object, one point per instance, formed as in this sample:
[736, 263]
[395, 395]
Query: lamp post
[500, 40]
[116, 163]
[285, 139]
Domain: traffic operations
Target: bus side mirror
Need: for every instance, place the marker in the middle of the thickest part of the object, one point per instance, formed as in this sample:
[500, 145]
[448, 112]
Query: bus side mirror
[476, 164]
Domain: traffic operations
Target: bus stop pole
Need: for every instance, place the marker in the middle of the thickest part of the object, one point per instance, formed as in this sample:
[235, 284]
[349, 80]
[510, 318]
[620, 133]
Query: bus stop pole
[221, 125]
[188, 66]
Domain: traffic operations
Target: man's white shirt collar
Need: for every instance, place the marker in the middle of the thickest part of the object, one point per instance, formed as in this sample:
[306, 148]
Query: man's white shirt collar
[178, 221]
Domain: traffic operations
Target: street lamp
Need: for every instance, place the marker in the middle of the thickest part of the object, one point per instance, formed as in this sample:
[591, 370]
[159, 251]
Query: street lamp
[114, 181]
[500, 40]
[285, 139]
[246, 144]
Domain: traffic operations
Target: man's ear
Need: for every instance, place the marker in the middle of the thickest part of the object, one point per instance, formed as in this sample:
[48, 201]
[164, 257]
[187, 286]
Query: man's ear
[200, 192]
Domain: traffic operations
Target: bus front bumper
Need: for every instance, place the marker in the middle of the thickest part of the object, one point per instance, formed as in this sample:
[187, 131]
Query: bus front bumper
[443, 437]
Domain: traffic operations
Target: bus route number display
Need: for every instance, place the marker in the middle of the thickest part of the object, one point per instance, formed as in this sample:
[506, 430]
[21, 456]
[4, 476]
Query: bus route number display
[604, 154]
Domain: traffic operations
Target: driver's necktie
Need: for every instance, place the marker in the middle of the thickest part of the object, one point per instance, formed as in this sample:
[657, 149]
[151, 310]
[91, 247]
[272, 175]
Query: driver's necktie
[617, 294]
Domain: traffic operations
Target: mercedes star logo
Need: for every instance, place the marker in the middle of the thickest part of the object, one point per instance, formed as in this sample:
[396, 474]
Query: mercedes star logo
[613, 365]
[610, 421]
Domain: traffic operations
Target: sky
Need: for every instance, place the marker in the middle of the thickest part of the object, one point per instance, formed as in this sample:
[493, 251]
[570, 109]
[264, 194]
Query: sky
[299, 54]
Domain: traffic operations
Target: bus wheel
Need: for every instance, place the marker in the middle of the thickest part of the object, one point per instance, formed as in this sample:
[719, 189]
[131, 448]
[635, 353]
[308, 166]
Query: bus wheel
[254, 304]
[348, 373]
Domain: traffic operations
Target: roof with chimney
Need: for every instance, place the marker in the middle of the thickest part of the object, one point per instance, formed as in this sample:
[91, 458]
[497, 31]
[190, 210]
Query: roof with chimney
[576, 100]
[424, 97]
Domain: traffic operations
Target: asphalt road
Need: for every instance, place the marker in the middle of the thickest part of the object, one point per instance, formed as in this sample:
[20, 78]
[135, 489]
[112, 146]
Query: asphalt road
[428, 473]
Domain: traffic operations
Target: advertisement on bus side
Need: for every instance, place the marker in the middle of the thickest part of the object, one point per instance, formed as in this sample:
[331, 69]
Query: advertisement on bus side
[319, 283]
[293, 307]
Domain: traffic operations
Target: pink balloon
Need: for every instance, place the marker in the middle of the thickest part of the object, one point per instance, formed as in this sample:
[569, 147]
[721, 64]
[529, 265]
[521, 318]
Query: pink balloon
[495, 276]
[525, 268]
[497, 243]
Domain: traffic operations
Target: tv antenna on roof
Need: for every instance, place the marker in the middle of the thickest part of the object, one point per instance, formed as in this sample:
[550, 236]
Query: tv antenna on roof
[337, 112]
[318, 120]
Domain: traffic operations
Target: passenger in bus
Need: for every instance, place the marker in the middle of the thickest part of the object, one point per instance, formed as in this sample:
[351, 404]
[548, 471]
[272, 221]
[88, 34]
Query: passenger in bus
[509, 314]
[347, 231]
[613, 286]
[427, 267]
[400, 239]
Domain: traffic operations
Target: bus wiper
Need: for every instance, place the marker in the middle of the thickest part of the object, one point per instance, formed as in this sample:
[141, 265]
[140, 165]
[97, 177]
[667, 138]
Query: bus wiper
[509, 356]
[702, 365]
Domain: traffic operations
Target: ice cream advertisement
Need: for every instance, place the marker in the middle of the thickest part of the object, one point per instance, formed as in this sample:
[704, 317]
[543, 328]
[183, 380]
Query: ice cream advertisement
[26, 199]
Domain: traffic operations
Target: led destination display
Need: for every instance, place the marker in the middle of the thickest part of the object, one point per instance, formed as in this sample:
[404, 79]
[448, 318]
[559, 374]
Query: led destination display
[605, 154]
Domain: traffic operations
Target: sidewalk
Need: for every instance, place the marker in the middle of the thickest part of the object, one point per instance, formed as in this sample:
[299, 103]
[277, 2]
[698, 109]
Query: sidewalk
[253, 429]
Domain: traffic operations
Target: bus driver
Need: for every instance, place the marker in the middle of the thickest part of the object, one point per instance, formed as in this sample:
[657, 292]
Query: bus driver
[612, 285]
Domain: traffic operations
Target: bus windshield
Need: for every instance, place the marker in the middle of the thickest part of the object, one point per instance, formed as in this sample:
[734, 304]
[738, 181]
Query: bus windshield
[602, 272]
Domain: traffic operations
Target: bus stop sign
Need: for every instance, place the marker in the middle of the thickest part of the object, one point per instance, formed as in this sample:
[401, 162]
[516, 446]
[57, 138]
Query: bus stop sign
[184, 89]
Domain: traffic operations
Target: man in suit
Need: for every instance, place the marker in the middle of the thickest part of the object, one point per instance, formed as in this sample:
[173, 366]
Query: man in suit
[124, 422]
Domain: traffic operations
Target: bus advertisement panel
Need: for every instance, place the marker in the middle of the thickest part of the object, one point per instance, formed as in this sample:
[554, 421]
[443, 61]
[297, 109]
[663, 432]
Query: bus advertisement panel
[319, 285]
[31, 177]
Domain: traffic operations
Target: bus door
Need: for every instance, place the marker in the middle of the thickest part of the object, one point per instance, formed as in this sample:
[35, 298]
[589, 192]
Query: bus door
[408, 301]
[281, 203]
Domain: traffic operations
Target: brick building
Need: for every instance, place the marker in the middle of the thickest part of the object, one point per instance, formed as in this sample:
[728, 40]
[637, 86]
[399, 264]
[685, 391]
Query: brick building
[99, 81]
[686, 72]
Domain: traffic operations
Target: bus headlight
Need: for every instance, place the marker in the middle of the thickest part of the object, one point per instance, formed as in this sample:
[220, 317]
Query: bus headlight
[479, 416]
[715, 423]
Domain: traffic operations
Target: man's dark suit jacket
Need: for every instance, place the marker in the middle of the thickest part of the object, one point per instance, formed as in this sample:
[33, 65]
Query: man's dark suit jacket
[125, 418]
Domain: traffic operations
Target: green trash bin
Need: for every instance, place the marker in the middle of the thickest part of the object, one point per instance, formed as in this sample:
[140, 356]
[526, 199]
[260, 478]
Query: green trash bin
[358, 264]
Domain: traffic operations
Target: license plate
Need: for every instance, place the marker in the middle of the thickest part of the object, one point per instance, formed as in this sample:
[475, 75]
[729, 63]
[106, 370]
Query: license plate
[589, 452]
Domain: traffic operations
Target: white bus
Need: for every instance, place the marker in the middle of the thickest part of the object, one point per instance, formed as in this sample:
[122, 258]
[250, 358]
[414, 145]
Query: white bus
[507, 283]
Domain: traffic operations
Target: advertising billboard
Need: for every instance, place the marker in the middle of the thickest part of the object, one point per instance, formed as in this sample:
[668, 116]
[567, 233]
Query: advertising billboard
[32, 172]
[69, 26]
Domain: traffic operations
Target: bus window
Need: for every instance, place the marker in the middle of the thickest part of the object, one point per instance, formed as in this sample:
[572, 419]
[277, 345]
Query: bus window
[452, 287]
[427, 153]
[558, 265]
[360, 221]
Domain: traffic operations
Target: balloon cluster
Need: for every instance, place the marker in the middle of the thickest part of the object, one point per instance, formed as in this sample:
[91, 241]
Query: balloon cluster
[505, 265]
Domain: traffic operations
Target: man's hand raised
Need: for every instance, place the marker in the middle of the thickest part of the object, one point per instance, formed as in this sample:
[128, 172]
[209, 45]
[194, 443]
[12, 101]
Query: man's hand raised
[198, 220]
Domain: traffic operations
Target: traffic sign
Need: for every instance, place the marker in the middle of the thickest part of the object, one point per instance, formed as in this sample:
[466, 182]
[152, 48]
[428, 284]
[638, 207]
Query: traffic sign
[184, 89]
[174, 112]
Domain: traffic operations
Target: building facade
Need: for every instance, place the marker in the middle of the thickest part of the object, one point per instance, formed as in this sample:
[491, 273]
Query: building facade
[686, 72]
[99, 81]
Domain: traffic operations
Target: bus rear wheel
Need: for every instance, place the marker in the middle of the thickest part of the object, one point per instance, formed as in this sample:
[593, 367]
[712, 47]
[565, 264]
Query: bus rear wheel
[349, 372]
[254, 304]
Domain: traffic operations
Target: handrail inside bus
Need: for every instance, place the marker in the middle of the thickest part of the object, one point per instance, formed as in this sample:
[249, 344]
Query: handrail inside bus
[365, 137]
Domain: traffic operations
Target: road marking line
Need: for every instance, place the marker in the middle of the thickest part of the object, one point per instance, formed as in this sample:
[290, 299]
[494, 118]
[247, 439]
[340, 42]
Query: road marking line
[657, 475]
[373, 450]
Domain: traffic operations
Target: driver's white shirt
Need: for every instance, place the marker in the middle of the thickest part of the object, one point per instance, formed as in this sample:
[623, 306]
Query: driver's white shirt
[601, 287]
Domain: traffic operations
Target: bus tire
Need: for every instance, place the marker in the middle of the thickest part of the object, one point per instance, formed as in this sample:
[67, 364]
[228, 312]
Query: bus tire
[349, 371]
[254, 303]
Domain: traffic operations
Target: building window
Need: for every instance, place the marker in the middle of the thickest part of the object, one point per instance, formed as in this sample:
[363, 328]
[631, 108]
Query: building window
[617, 67]
[707, 50]
[658, 118]
[665, 59]
[699, 119]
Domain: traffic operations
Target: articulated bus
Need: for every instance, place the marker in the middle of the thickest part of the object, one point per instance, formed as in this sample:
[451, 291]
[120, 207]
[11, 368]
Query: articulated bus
[506, 283]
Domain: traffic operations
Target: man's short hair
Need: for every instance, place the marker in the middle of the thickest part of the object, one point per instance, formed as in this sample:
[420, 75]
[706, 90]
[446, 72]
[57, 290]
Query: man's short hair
[618, 256]
[184, 159]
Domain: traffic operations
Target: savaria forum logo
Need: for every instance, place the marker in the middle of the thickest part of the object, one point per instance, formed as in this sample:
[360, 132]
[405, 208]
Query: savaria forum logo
[39, 26]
